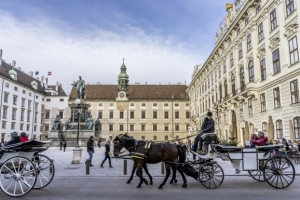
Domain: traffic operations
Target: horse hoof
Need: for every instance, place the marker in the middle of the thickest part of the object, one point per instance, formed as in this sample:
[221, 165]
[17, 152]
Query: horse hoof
[184, 185]
[138, 186]
[151, 183]
[160, 187]
[128, 182]
[175, 180]
[171, 182]
[146, 182]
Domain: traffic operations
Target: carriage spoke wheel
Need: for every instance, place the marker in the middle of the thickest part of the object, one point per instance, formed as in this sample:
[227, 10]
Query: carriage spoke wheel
[17, 176]
[211, 175]
[259, 174]
[279, 172]
[45, 171]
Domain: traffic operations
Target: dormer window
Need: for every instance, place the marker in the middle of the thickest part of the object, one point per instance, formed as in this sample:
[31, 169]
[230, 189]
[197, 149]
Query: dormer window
[13, 74]
[34, 85]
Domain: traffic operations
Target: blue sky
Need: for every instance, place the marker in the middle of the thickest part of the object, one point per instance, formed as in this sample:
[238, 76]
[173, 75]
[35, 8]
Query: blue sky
[161, 40]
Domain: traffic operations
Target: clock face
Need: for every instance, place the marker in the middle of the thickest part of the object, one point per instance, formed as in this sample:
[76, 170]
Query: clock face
[122, 95]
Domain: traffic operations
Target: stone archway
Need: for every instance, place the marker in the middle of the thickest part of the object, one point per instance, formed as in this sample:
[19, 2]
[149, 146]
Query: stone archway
[234, 124]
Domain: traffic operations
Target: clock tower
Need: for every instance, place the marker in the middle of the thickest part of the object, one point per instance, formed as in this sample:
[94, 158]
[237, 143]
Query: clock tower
[123, 78]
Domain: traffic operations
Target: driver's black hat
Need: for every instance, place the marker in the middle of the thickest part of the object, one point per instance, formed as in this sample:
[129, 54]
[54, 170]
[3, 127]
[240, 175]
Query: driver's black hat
[209, 114]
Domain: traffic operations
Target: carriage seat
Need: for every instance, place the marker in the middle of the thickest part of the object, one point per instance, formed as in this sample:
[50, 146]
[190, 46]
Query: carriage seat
[209, 138]
[227, 149]
[267, 148]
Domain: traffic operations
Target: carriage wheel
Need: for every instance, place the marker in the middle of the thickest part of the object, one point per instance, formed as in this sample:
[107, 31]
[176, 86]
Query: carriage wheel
[17, 176]
[45, 171]
[279, 172]
[211, 175]
[258, 175]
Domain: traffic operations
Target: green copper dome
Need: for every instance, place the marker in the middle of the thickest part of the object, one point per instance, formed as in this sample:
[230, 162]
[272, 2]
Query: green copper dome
[123, 78]
[12, 72]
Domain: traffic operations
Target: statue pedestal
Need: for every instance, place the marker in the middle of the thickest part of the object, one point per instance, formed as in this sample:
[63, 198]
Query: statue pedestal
[77, 155]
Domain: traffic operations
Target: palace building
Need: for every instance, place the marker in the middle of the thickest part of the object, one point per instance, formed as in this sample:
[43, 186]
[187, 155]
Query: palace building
[251, 78]
[144, 111]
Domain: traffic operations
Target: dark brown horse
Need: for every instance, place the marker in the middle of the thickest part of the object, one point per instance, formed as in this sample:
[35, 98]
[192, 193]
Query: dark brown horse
[158, 152]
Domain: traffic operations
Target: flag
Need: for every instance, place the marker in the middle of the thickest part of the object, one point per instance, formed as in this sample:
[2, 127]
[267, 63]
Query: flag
[49, 73]
[37, 73]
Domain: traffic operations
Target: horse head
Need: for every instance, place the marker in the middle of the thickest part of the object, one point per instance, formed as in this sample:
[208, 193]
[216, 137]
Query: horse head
[118, 144]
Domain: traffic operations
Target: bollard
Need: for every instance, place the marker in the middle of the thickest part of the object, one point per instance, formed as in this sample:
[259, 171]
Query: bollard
[51, 166]
[87, 165]
[162, 168]
[125, 167]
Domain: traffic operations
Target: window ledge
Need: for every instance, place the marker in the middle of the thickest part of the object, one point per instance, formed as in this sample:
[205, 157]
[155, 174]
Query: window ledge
[295, 104]
[279, 108]
[293, 64]
[276, 73]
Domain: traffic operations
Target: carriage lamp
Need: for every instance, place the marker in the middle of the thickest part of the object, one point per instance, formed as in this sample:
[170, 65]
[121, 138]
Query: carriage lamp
[78, 117]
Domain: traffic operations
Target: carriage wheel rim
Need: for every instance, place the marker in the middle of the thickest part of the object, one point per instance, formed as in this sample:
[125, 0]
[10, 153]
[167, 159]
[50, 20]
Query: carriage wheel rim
[211, 175]
[46, 171]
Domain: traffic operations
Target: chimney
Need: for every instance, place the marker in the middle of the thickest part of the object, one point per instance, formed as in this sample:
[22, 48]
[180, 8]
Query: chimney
[1, 53]
[56, 87]
[42, 80]
[46, 86]
[178, 83]
[30, 73]
[146, 83]
[13, 64]
[19, 68]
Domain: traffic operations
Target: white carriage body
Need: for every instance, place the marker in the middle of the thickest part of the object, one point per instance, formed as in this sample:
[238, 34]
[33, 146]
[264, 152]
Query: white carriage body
[9, 155]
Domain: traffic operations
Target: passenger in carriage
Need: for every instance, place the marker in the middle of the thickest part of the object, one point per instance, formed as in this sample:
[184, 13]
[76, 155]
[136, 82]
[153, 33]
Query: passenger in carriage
[23, 137]
[261, 140]
[208, 126]
[15, 138]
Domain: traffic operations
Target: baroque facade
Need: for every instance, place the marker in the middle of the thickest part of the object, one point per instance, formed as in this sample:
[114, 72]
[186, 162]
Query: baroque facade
[146, 112]
[251, 78]
[23, 99]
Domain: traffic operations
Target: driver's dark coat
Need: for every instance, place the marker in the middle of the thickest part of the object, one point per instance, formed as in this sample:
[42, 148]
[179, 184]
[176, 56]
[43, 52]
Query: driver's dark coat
[208, 126]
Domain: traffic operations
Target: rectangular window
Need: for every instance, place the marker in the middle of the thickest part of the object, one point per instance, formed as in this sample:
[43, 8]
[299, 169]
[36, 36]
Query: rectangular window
[241, 110]
[240, 50]
[46, 128]
[34, 128]
[219, 73]
[289, 7]
[143, 127]
[246, 21]
[143, 137]
[177, 115]
[176, 127]
[36, 106]
[121, 114]
[260, 32]
[28, 115]
[224, 67]
[294, 58]
[276, 61]
[262, 102]
[5, 97]
[154, 104]
[143, 114]
[14, 114]
[132, 114]
[258, 8]
[249, 43]
[166, 138]
[231, 60]
[121, 127]
[155, 127]
[166, 127]
[3, 125]
[187, 114]
[131, 127]
[47, 114]
[21, 127]
[111, 127]
[61, 114]
[294, 91]
[166, 114]
[250, 107]
[23, 102]
[166, 105]
[29, 104]
[154, 114]
[277, 103]
[154, 137]
[279, 129]
[27, 127]
[15, 98]
[100, 114]
[273, 19]
[263, 69]
[22, 115]
[111, 114]
[5, 112]
[238, 31]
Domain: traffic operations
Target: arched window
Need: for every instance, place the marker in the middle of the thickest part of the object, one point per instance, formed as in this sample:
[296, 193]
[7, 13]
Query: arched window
[242, 78]
[233, 84]
[264, 126]
[279, 130]
[297, 127]
[225, 88]
[251, 71]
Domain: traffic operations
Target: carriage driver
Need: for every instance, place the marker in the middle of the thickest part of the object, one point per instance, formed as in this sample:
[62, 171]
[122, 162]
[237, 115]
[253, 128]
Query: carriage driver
[208, 126]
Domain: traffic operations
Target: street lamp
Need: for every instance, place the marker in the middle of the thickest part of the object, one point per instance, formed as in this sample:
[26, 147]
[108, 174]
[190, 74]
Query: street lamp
[78, 118]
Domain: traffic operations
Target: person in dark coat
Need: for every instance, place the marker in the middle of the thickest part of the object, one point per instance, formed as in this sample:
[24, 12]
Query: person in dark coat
[208, 126]
[90, 148]
[15, 138]
[64, 144]
[107, 154]
[60, 144]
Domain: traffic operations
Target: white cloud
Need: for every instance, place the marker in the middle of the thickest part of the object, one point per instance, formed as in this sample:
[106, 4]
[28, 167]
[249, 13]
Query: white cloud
[44, 45]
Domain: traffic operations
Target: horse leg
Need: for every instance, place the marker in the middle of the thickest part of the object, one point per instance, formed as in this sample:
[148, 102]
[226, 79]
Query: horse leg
[139, 173]
[147, 172]
[133, 170]
[174, 174]
[183, 177]
[167, 167]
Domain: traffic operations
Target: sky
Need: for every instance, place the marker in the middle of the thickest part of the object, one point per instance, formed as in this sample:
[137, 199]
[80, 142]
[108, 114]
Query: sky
[161, 40]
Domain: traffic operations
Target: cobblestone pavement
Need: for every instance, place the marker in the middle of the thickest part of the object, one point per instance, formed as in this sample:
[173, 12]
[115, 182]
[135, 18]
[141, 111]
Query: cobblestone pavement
[64, 168]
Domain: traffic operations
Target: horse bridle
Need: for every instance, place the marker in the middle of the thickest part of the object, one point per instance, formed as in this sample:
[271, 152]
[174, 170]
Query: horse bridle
[123, 143]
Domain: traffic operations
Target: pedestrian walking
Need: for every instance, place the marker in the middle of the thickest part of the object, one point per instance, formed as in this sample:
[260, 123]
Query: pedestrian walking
[99, 143]
[60, 144]
[90, 149]
[107, 154]
[64, 144]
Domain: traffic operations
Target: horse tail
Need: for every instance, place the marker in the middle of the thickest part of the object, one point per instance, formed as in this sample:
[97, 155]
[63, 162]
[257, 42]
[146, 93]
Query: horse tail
[181, 154]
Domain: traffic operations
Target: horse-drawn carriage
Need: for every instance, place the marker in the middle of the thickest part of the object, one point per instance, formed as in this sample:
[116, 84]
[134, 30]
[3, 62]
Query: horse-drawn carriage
[22, 168]
[277, 171]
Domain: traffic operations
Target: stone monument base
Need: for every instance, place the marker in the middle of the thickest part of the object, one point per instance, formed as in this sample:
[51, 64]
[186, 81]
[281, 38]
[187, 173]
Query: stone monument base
[77, 155]
[70, 136]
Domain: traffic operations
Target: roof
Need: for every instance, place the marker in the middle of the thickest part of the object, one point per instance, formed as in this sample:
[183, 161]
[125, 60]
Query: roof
[22, 78]
[61, 91]
[141, 92]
